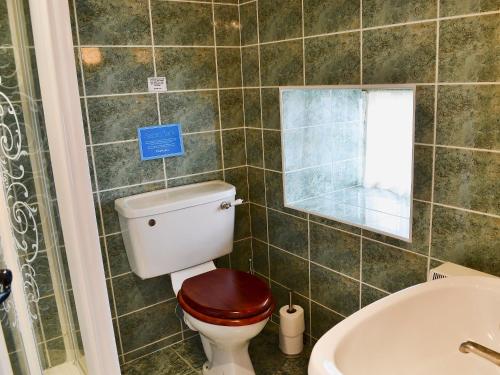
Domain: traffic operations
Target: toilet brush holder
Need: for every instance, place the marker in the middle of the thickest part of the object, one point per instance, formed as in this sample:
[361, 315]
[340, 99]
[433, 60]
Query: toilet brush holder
[292, 327]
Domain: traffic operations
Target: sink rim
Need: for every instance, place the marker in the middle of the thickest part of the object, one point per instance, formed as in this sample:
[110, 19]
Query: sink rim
[326, 346]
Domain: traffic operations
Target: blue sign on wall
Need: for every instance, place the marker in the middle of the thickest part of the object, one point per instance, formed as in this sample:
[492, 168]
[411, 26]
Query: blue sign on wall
[156, 142]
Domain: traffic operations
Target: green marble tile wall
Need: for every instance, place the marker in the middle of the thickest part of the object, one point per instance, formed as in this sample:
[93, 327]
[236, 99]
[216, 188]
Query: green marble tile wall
[224, 62]
[196, 45]
[450, 50]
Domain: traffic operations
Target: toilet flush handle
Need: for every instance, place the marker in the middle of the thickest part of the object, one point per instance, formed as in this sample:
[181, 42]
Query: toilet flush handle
[227, 205]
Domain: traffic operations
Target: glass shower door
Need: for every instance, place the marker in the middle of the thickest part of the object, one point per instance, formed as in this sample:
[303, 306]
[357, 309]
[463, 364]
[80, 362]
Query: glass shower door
[39, 322]
[19, 234]
[13, 352]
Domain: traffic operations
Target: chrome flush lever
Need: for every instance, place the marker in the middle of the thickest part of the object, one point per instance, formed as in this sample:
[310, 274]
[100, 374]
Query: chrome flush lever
[227, 205]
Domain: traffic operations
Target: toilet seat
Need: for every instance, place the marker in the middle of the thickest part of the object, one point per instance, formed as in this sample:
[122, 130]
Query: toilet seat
[226, 297]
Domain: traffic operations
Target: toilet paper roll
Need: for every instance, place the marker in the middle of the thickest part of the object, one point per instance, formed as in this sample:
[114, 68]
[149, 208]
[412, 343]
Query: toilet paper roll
[292, 328]
[292, 324]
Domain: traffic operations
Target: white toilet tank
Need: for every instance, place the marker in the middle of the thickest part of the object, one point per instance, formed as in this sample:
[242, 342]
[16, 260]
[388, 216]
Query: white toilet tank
[172, 229]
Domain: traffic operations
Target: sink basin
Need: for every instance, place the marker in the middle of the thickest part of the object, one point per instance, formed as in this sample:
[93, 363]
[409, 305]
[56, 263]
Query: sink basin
[416, 331]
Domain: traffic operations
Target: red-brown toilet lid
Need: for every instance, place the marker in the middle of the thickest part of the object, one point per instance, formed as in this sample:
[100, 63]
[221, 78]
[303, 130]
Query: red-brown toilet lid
[226, 294]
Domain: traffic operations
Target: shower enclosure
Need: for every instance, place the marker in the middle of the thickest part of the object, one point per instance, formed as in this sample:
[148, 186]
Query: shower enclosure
[53, 306]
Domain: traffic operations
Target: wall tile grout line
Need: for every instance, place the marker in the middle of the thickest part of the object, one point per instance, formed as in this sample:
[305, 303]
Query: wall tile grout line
[429, 21]
[493, 151]
[214, 25]
[361, 41]
[149, 46]
[309, 267]
[245, 134]
[152, 182]
[361, 237]
[155, 73]
[131, 140]
[414, 199]
[487, 214]
[311, 300]
[354, 234]
[338, 272]
[303, 44]
[138, 93]
[262, 141]
[207, 2]
[361, 82]
[436, 79]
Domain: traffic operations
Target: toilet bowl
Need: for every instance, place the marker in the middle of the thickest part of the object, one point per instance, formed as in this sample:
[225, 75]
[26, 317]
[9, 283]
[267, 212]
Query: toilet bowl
[228, 308]
[179, 231]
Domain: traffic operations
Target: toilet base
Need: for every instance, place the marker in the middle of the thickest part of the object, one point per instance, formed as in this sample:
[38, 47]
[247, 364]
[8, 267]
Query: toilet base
[226, 347]
[229, 361]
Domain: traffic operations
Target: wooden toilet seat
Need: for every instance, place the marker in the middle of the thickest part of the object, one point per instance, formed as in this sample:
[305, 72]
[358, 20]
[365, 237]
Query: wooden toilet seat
[226, 297]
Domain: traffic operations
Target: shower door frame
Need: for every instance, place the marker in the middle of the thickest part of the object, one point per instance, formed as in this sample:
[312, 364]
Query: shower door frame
[61, 102]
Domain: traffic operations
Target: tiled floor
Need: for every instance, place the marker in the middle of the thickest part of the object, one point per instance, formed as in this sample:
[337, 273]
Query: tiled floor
[187, 358]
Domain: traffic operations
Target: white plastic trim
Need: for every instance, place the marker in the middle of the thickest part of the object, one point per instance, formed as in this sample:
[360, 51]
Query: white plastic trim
[61, 102]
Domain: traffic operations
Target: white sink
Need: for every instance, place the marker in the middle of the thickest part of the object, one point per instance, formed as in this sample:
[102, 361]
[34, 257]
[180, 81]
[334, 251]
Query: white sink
[416, 331]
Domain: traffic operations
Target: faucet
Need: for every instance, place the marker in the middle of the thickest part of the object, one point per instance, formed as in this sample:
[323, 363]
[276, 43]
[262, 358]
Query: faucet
[481, 351]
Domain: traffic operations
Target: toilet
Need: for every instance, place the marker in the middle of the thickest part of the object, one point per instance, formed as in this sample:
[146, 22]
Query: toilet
[180, 231]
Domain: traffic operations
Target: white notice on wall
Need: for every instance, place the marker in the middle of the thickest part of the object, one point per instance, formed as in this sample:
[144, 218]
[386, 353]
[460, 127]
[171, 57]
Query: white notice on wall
[157, 84]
